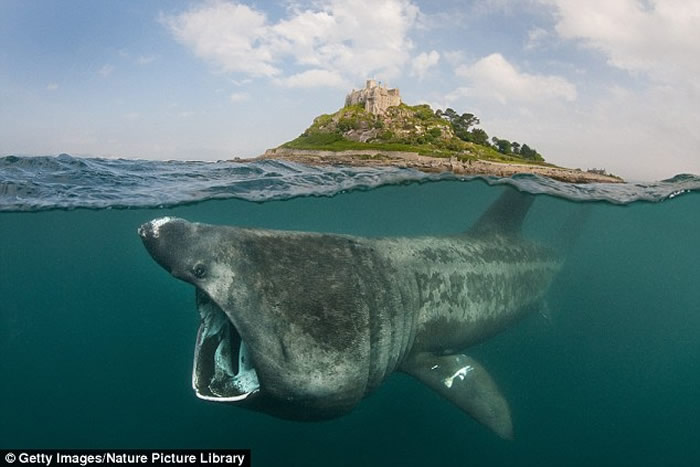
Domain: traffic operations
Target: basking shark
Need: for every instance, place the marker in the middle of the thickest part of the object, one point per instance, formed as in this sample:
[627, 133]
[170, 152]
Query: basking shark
[304, 325]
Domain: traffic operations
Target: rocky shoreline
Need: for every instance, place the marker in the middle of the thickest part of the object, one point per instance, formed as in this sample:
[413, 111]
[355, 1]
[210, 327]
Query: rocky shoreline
[413, 160]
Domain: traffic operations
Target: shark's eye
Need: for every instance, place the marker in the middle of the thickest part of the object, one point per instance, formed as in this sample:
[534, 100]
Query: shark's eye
[199, 271]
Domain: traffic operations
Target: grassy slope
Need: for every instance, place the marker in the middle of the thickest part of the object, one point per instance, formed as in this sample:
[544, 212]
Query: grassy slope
[326, 134]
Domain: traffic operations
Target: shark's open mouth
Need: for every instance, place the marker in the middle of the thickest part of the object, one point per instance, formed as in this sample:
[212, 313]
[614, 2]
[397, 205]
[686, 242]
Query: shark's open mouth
[223, 370]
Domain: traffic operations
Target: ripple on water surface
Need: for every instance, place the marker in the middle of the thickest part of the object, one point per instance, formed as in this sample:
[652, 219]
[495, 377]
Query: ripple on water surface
[67, 182]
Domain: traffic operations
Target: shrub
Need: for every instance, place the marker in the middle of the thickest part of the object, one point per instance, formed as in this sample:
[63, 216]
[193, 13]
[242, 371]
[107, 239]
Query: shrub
[435, 132]
[386, 135]
[323, 120]
[423, 112]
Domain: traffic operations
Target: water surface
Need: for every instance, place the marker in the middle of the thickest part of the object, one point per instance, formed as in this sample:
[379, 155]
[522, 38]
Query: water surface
[96, 339]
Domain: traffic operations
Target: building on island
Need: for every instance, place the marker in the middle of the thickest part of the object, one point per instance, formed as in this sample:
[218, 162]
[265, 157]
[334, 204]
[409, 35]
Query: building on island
[375, 97]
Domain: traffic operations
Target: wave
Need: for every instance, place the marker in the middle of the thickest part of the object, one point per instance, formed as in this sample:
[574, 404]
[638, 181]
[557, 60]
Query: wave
[67, 182]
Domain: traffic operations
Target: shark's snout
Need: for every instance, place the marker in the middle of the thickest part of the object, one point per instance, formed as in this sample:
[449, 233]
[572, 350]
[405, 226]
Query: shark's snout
[223, 369]
[145, 230]
[152, 229]
[162, 238]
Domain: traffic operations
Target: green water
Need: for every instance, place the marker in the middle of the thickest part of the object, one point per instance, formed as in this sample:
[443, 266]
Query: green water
[96, 340]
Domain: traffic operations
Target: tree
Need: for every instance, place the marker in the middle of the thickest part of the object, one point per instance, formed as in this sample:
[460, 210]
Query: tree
[462, 125]
[464, 128]
[479, 136]
[449, 114]
[503, 145]
[530, 154]
[468, 120]
[463, 122]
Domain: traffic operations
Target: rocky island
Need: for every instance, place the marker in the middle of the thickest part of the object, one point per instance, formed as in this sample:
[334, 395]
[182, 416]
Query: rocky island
[375, 128]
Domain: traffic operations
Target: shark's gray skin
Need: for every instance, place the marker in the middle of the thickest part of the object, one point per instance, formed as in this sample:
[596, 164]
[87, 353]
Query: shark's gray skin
[304, 325]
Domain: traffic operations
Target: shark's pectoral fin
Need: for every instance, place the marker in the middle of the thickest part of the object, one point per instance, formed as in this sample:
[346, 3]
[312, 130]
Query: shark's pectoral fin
[463, 381]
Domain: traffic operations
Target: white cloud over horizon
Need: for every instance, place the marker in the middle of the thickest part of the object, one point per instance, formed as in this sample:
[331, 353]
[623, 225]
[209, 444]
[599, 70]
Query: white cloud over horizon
[654, 121]
[145, 59]
[239, 97]
[337, 41]
[423, 62]
[228, 35]
[314, 79]
[660, 38]
[494, 77]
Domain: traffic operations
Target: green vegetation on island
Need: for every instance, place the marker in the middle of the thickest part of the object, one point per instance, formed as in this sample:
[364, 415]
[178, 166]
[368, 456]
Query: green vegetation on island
[407, 128]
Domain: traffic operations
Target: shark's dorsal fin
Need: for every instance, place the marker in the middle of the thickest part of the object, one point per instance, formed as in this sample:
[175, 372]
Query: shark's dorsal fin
[506, 214]
[571, 230]
[467, 384]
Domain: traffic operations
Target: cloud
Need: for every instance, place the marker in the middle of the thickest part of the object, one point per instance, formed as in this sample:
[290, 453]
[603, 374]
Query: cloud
[145, 60]
[638, 132]
[660, 38]
[352, 40]
[51, 86]
[241, 82]
[495, 78]
[640, 137]
[648, 128]
[140, 60]
[229, 35]
[423, 62]
[454, 57]
[106, 70]
[316, 78]
[239, 97]
[536, 37]
[357, 39]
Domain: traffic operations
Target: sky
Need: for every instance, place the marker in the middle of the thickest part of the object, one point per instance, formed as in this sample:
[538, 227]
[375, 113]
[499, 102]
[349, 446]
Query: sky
[611, 84]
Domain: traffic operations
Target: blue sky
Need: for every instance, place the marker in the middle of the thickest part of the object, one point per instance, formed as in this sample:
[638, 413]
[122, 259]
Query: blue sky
[604, 83]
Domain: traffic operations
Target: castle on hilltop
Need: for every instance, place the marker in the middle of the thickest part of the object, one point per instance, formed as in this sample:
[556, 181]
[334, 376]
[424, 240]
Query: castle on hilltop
[375, 97]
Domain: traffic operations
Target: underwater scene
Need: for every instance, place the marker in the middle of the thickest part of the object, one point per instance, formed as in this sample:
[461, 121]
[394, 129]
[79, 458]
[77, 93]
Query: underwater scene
[97, 340]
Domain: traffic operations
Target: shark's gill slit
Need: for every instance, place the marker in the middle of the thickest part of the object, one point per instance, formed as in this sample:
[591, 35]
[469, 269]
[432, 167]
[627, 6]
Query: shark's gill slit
[222, 369]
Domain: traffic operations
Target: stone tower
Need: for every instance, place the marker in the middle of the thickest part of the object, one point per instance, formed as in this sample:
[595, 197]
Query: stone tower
[375, 97]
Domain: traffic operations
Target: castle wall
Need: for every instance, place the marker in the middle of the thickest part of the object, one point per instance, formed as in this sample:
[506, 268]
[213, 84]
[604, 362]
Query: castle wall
[376, 98]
